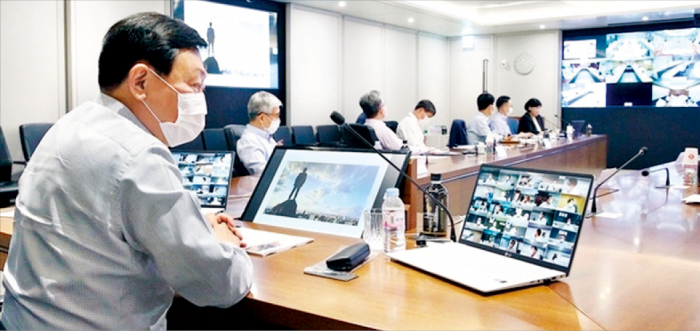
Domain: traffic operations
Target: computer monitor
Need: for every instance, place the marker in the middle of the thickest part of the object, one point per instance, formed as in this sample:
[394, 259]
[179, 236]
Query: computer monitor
[322, 189]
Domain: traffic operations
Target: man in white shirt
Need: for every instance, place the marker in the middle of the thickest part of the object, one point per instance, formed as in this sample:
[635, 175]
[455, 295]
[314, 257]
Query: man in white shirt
[411, 127]
[499, 120]
[375, 109]
[104, 232]
[478, 129]
[256, 143]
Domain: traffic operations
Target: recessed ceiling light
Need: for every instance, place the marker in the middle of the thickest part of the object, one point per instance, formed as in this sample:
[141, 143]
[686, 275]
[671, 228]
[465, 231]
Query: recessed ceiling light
[410, 20]
[542, 26]
[645, 18]
[341, 3]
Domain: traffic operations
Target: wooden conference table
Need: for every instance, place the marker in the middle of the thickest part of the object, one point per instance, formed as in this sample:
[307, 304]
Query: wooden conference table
[637, 271]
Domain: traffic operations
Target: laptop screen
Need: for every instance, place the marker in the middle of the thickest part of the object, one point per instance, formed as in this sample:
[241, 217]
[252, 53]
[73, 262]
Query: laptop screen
[531, 215]
[207, 174]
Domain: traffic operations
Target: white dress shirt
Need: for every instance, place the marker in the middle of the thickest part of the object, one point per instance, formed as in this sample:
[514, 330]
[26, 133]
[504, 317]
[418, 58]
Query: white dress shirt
[105, 234]
[386, 137]
[409, 129]
[499, 124]
[254, 148]
[478, 129]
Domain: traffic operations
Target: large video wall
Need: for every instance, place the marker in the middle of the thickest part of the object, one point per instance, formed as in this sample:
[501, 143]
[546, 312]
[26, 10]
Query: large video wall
[646, 68]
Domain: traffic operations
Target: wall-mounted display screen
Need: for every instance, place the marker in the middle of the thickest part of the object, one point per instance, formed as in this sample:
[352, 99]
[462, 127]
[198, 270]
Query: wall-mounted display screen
[650, 68]
[242, 48]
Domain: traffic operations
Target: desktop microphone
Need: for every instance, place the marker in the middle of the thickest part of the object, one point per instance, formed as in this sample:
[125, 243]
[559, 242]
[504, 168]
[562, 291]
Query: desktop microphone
[594, 208]
[340, 120]
[668, 181]
[563, 120]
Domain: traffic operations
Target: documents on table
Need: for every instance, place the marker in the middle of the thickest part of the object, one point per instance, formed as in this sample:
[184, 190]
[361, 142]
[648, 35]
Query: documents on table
[695, 198]
[264, 243]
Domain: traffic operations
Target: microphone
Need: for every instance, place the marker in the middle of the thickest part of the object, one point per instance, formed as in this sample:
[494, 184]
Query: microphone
[339, 119]
[646, 173]
[563, 120]
[594, 209]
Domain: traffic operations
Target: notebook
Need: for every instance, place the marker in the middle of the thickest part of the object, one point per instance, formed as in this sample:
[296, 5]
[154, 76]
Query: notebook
[207, 175]
[521, 228]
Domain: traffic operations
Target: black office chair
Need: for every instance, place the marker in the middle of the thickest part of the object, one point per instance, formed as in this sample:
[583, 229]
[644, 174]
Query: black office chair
[364, 131]
[284, 133]
[304, 135]
[215, 140]
[458, 134]
[329, 135]
[393, 125]
[30, 135]
[233, 132]
[8, 187]
[195, 145]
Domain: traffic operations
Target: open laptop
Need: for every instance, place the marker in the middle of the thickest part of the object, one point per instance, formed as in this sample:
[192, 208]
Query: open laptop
[208, 175]
[521, 228]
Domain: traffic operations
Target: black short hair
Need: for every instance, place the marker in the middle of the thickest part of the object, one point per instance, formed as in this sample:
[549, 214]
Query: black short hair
[144, 37]
[532, 103]
[501, 100]
[484, 100]
[427, 105]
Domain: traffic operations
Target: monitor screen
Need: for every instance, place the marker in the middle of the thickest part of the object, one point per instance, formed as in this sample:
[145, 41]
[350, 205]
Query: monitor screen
[322, 190]
[527, 214]
[208, 175]
[648, 68]
[242, 48]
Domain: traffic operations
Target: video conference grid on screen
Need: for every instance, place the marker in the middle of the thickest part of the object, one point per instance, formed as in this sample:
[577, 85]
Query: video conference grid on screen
[206, 174]
[532, 214]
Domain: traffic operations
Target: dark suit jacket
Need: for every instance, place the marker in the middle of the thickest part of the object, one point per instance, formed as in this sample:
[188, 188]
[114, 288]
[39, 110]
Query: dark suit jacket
[528, 125]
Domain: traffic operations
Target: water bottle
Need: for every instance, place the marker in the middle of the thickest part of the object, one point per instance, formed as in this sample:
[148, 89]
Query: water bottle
[434, 216]
[404, 146]
[569, 132]
[589, 130]
[394, 221]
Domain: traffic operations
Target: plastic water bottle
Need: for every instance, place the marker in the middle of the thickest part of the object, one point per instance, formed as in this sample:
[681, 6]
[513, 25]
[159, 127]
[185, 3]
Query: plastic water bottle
[569, 132]
[434, 217]
[589, 130]
[394, 220]
[404, 146]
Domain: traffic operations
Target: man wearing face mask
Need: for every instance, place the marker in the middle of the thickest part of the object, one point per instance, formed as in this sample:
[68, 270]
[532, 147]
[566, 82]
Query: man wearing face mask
[256, 143]
[373, 106]
[104, 233]
[499, 121]
[411, 127]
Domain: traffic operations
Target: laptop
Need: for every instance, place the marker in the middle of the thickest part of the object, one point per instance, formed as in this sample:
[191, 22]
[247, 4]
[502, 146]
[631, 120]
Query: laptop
[521, 229]
[207, 174]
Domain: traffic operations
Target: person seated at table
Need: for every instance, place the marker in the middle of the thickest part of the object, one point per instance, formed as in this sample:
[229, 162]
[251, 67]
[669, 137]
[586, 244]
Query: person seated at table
[532, 121]
[256, 143]
[478, 128]
[411, 127]
[570, 187]
[373, 106]
[499, 121]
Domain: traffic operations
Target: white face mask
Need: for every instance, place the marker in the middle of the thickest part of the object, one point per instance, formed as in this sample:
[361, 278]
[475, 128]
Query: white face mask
[424, 121]
[191, 117]
[510, 111]
[274, 125]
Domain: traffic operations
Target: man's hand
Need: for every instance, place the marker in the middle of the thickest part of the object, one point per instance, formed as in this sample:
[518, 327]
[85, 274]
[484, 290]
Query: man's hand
[225, 229]
[280, 142]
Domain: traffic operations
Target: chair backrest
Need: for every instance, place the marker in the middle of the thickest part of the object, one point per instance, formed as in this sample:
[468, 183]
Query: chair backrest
[364, 131]
[30, 135]
[195, 145]
[215, 140]
[393, 125]
[513, 124]
[361, 119]
[329, 135]
[5, 160]
[284, 133]
[233, 132]
[304, 135]
[458, 134]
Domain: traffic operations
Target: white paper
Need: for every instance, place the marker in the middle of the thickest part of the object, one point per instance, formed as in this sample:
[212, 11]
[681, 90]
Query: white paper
[501, 152]
[607, 214]
[695, 198]
[264, 243]
[9, 213]
[680, 187]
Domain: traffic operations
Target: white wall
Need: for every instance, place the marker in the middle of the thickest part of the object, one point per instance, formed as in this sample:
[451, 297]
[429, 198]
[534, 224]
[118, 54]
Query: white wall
[32, 66]
[399, 90]
[89, 22]
[434, 76]
[363, 60]
[466, 76]
[542, 83]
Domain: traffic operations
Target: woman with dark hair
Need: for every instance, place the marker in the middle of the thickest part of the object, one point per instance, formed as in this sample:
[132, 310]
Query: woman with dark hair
[532, 121]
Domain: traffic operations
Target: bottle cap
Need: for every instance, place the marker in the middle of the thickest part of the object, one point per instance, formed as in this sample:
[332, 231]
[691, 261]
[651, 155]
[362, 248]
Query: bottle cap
[435, 177]
[392, 192]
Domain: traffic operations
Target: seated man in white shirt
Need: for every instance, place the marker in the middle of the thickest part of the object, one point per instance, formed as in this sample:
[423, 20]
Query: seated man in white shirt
[411, 127]
[104, 232]
[499, 120]
[478, 129]
[375, 109]
[256, 143]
